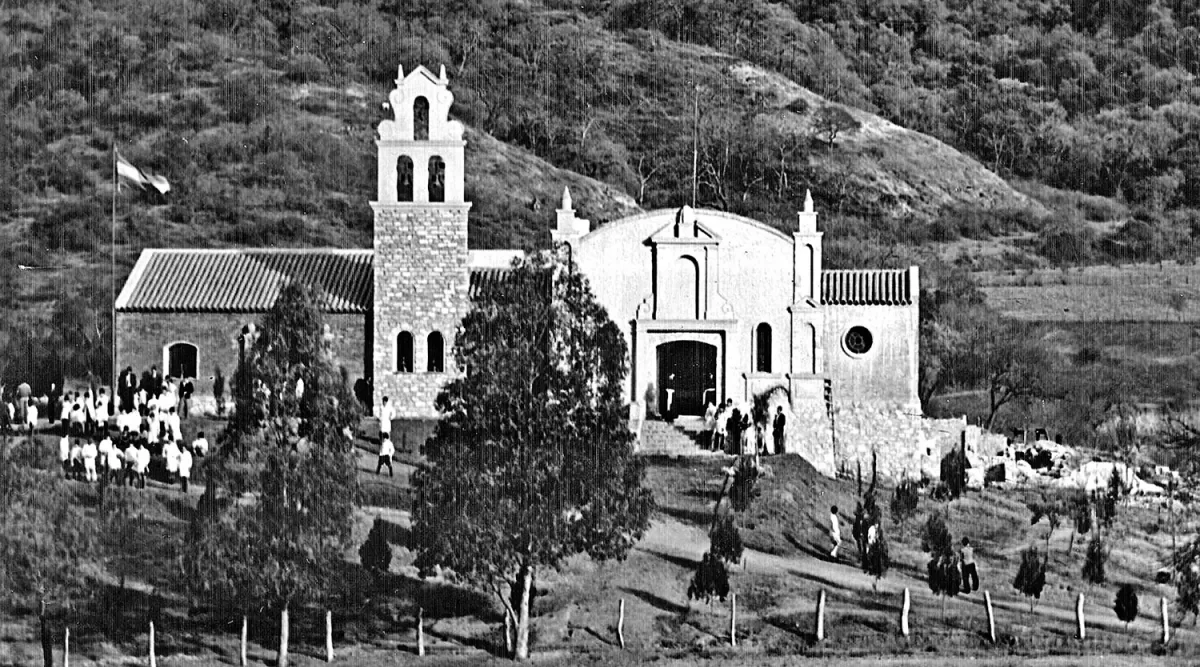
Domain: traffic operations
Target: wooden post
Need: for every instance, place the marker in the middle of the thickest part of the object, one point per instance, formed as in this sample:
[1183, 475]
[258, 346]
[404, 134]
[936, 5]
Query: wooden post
[904, 607]
[284, 633]
[328, 635]
[621, 623]
[821, 616]
[420, 631]
[733, 619]
[1080, 621]
[1166, 624]
[153, 658]
[67, 647]
[987, 600]
[245, 629]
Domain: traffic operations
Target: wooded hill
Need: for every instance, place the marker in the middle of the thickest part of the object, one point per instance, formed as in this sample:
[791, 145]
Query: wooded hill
[903, 117]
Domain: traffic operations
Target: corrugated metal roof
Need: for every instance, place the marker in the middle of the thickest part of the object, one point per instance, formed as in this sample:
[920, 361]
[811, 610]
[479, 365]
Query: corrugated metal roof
[866, 288]
[245, 280]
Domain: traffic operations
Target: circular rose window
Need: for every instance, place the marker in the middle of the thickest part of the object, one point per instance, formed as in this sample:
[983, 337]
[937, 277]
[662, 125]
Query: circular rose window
[858, 340]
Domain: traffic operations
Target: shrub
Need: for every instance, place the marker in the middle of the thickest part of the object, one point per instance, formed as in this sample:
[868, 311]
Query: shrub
[1126, 604]
[1094, 561]
[877, 560]
[726, 542]
[935, 536]
[219, 390]
[73, 226]
[744, 478]
[711, 580]
[1031, 575]
[375, 553]
[904, 501]
[247, 96]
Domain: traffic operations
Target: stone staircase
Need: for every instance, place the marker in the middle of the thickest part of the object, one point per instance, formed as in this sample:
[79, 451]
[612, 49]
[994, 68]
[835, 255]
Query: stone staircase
[683, 437]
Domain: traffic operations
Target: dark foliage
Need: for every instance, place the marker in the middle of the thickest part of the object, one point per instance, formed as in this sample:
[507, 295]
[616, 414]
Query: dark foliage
[711, 580]
[877, 560]
[1031, 575]
[743, 490]
[1126, 603]
[935, 536]
[375, 553]
[1094, 561]
[726, 541]
[904, 501]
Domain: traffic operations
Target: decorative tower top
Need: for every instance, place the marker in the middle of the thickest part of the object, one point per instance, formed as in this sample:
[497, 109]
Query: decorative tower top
[807, 223]
[568, 229]
[420, 148]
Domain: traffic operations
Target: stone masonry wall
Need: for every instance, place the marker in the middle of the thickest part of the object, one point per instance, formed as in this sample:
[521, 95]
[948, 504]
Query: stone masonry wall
[143, 337]
[906, 444]
[421, 281]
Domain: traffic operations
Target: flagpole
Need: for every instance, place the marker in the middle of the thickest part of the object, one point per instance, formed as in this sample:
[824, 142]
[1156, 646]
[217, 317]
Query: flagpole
[112, 286]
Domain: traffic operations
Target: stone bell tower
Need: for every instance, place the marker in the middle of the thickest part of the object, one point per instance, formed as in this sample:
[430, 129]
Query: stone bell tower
[421, 274]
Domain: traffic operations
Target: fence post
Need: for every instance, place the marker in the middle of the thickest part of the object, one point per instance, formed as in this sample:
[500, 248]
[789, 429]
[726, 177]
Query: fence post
[420, 631]
[904, 607]
[1079, 619]
[621, 624]
[153, 659]
[245, 628]
[987, 600]
[820, 633]
[67, 648]
[733, 619]
[1166, 629]
[328, 635]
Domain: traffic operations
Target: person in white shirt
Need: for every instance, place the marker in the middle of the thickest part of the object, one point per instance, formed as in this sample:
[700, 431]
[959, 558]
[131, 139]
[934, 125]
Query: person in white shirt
[64, 452]
[386, 450]
[835, 531]
[115, 462]
[31, 415]
[102, 410]
[76, 460]
[173, 428]
[89, 412]
[386, 414]
[171, 454]
[143, 464]
[68, 400]
[102, 451]
[185, 468]
[89, 461]
[78, 417]
[200, 444]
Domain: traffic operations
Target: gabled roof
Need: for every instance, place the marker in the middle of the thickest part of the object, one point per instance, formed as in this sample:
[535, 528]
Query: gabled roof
[245, 280]
[866, 288]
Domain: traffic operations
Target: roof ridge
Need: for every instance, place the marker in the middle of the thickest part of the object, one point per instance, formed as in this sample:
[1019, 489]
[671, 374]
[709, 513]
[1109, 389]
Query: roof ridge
[264, 251]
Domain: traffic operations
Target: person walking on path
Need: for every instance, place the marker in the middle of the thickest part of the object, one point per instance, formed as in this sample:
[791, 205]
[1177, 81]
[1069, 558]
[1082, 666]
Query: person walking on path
[970, 576]
[386, 451]
[835, 531]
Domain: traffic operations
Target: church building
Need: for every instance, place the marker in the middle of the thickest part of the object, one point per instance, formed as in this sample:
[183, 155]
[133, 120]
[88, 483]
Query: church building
[714, 306]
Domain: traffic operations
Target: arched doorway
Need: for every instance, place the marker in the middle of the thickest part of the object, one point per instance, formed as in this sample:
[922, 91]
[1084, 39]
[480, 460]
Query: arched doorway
[181, 360]
[687, 372]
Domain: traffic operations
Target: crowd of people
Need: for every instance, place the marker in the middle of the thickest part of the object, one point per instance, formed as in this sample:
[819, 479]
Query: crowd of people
[114, 441]
[732, 430]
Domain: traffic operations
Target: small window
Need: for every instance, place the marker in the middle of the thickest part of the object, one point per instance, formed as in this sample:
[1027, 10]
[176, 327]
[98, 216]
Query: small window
[437, 179]
[858, 341]
[421, 119]
[437, 362]
[404, 352]
[762, 348]
[181, 360]
[404, 178]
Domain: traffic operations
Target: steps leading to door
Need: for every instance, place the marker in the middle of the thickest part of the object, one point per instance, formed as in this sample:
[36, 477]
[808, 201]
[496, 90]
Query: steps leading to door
[685, 436]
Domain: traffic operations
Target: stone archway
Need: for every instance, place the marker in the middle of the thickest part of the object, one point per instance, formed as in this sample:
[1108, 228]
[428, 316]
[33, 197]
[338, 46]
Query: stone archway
[687, 372]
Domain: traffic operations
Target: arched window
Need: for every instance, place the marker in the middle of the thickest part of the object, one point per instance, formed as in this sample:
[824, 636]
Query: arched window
[437, 179]
[437, 362]
[404, 352]
[762, 348]
[182, 360]
[404, 178]
[421, 119]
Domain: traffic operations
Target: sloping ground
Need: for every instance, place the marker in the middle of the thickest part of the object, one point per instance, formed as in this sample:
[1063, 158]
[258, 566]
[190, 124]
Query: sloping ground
[904, 172]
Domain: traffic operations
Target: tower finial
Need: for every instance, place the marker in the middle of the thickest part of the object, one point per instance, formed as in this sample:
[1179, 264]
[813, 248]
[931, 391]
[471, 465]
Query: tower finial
[566, 199]
[808, 202]
[442, 74]
[399, 74]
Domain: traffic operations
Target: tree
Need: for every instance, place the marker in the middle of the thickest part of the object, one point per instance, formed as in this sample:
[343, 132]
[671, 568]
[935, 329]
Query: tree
[275, 518]
[1031, 575]
[1126, 604]
[877, 560]
[1080, 508]
[945, 575]
[1094, 561]
[831, 120]
[743, 490]
[1053, 508]
[904, 501]
[47, 540]
[1187, 581]
[375, 553]
[512, 484]
[725, 540]
[710, 581]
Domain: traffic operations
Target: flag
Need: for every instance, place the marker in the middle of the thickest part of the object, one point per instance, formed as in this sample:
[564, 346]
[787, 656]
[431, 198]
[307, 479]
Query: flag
[139, 177]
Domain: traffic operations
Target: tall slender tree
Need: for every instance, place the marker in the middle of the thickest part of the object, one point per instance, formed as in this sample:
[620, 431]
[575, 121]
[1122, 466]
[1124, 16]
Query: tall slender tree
[532, 460]
[276, 514]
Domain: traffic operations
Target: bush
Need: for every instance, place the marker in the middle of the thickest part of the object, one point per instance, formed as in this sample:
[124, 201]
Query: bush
[711, 580]
[375, 553]
[74, 226]
[744, 478]
[877, 559]
[935, 536]
[904, 501]
[1031, 575]
[1126, 604]
[247, 96]
[1094, 561]
[726, 542]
